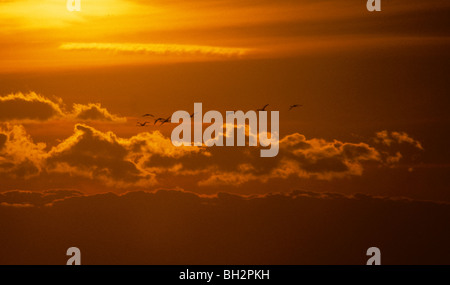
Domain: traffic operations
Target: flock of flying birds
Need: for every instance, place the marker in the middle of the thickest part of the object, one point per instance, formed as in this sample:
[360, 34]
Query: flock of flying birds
[156, 120]
[167, 120]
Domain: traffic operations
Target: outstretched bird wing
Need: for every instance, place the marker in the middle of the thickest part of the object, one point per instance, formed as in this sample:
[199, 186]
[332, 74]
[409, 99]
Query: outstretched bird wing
[165, 120]
[294, 106]
[263, 108]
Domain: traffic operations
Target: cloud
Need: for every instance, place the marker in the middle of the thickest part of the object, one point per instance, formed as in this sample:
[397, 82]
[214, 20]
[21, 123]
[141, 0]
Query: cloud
[211, 28]
[157, 48]
[179, 227]
[19, 198]
[116, 161]
[20, 157]
[32, 106]
[394, 158]
[29, 106]
[94, 112]
[91, 154]
[298, 157]
[326, 160]
[147, 159]
[388, 138]
[304, 158]
[3, 138]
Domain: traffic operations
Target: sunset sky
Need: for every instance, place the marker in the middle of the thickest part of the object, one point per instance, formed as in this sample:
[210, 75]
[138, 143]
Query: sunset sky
[373, 87]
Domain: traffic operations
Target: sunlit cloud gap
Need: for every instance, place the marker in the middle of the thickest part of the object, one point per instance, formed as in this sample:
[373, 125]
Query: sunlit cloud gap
[157, 48]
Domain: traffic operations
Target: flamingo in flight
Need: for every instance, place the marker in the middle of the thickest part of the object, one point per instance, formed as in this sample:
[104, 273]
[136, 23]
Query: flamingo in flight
[142, 124]
[294, 106]
[263, 108]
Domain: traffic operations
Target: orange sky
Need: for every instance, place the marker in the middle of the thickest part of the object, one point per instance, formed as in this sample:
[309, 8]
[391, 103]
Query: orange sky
[44, 35]
[105, 66]
[374, 89]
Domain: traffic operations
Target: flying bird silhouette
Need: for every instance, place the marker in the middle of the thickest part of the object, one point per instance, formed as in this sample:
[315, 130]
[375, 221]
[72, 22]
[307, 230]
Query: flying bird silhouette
[148, 115]
[165, 120]
[294, 106]
[142, 124]
[263, 108]
[158, 120]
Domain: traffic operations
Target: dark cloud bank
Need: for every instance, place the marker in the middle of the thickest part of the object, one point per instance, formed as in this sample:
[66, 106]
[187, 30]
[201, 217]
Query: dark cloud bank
[176, 227]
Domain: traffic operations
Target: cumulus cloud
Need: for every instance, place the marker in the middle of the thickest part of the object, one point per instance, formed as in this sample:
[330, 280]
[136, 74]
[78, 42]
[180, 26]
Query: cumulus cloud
[115, 161]
[305, 158]
[20, 157]
[323, 159]
[95, 155]
[32, 106]
[29, 106]
[147, 158]
[94, 112]
[389, 138]
[91, 154]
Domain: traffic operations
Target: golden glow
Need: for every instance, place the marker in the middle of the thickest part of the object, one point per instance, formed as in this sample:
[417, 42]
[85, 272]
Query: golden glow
[45, 35]
[28, 14]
